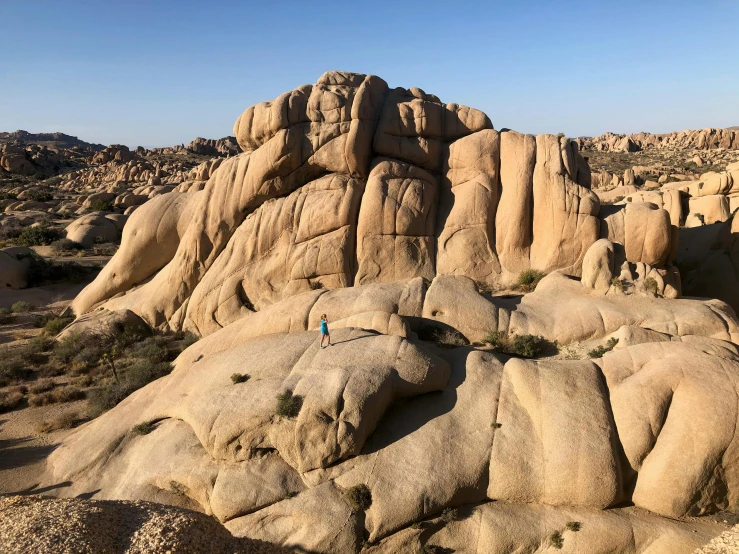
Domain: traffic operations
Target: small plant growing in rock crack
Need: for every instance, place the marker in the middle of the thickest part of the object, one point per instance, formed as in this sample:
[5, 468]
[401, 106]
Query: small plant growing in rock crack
[315, 285]
[574, 526]
[600, 351]
[288, 404]
[496, 425]
[449, 514]
[618, 284]
[526, 346]
[359, 497]
[650, 285]
[528, 279]
[144, 428]
[237, 378]
[557, 540]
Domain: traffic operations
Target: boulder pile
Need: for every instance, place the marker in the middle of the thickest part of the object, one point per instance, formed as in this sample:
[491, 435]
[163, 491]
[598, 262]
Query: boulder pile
[402, 218]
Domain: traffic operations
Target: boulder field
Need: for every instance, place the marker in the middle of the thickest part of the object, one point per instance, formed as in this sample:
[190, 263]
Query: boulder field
[396, 215]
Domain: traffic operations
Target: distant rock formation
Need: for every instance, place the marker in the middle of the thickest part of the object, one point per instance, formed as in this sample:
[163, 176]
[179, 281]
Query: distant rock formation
[705, 139]
[226, 146]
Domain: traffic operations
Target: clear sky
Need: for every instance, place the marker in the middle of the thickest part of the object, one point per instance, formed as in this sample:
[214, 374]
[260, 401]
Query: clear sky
[158, 73]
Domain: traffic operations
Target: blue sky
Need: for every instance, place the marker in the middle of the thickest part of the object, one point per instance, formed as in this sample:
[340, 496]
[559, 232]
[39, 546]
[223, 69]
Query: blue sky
[159, 73]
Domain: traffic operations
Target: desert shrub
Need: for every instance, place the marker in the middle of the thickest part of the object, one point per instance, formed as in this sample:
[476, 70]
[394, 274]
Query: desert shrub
[237, 378]
[574, 526]
[600, 351]
[528, 279]
[6, 316]
[557, 540]
[189, 339]
[650, 285]
[42, 272]
[41, 235]
[37, 195]
[56, 325]
[150, 348]
[70, 393]
[618, 199]
[67, 348]
[65, 421]
[288, 405]
[144, 428]
[41, 386]
[359, 497]
[65, 245]
[21, 307]
[496, 425]
[41, 399]
[526, 346]
[13, 366]
[10, 400]
[449, 338]
[135, 376]
[99, 205]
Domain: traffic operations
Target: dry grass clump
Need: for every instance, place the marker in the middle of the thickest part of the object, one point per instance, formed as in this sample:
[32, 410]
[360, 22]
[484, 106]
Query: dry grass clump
[650, 285]
[237, 378]
[68, 393]
[10, 400]
[526, 346]
[574, 526]
[66, 420]
[144, 428]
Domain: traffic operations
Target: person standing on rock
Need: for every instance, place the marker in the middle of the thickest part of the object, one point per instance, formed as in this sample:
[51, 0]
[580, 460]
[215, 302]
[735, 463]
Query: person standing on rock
[324, 330]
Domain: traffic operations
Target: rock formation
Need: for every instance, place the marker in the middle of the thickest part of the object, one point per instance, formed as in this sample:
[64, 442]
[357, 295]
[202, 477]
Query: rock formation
[395, 214]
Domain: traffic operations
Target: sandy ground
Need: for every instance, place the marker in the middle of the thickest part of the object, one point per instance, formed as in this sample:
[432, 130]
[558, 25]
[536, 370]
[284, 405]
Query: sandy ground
[23, 450]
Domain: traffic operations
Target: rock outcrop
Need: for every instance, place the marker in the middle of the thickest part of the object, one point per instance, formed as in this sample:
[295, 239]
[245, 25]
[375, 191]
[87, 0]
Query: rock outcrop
[396, 214]
[349, 182]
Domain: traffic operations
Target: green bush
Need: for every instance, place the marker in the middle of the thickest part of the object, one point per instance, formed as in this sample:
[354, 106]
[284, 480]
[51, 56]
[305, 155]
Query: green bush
[43, 272]
[359, 497]
[13, 366]
[574, 526]
[150, 349]
[36, 195]
[99, 205]
[41, 343]
[528, 279]
[288, 405]
[65, 245]
[144, 428]
[21, 307]
[189, 339]
[6, 316]
[557, 540]
[56, 325]
[600, 351]
[41, 235]
[237, 378]
[135, 376]
[526, 346]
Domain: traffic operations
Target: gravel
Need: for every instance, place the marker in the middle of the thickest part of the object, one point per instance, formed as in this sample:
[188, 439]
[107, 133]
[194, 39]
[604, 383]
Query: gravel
[36, 525]
[726, 543]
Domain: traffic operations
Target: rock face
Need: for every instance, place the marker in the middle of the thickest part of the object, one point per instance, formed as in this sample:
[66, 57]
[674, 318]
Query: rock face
[395, 214]
[226, 146]
[531, 433]
[349, 182]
